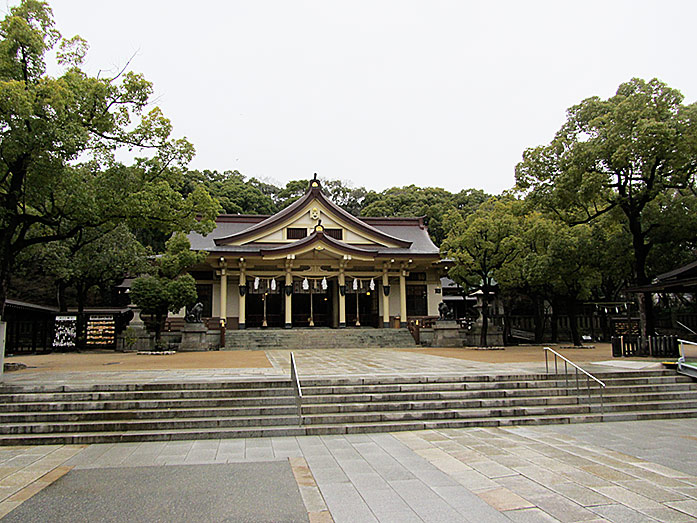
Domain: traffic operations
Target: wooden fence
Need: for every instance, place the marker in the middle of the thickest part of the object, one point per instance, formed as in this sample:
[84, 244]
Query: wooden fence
[653, 346]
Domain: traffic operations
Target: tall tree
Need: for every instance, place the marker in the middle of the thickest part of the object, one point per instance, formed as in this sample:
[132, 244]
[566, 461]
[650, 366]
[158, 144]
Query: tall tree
[433, 203]
[94, 257]
[168, 288]
[481, 245]
[58, 140]
[630, 153]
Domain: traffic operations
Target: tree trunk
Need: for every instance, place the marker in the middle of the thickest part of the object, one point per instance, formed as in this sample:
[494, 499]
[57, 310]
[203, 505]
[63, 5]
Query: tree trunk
[644, 299]
[646, 324]
[81, 297]
[555, 320]
[573, 325]
[159, 325]
[506, 325]
[604, 327]
[60, 296]
[539, 319]
[485, 318]
[4, 283]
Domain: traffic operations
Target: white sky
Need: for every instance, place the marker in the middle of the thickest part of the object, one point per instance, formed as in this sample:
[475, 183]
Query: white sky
[382, 93]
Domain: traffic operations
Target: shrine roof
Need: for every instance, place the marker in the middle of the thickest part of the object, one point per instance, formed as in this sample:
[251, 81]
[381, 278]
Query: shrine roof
[411, 231]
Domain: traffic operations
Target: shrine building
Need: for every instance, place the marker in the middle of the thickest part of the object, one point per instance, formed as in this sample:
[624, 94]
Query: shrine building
[313, 264]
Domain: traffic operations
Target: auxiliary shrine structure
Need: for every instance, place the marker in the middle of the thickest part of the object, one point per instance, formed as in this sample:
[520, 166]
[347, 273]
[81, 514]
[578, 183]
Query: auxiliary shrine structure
[315, 265]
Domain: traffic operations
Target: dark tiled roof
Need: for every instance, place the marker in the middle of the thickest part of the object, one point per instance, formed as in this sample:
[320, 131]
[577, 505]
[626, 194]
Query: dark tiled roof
[410, 230]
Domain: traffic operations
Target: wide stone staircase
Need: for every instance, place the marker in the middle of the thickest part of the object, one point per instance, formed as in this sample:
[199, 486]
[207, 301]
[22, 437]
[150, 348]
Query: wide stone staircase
[317, 338]
[270, 407]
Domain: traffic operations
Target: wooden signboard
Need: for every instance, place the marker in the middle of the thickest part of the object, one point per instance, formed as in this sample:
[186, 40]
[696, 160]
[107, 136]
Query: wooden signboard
[101, 330]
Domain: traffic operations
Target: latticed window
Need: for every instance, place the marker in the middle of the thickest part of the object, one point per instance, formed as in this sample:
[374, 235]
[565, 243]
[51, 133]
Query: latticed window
[337, 234]
[296, 233]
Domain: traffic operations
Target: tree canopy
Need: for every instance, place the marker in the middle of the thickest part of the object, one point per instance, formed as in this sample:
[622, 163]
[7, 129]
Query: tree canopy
[482, 244]
[634, 153]
[59, 138]
[168, 288]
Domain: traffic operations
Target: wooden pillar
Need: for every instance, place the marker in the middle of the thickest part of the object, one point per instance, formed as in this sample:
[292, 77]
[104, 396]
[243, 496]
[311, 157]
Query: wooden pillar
[243, 294]
[403, 298]
[223, 291]
[385, 298]
[287, 291]
[342, 298]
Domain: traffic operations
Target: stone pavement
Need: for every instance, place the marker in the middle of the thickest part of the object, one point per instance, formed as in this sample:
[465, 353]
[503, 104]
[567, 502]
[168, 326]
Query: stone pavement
[619, 472]
[623, 472]
[112, 367]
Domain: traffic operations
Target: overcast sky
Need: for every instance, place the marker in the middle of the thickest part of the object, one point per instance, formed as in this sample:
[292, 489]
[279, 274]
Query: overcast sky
[382, 93]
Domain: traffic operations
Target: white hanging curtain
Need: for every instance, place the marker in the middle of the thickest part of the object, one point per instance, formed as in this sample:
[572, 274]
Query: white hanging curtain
[372, 284]
[273, 284]
[355, 284]
[324, 284]
[256, 283]
[306, 284]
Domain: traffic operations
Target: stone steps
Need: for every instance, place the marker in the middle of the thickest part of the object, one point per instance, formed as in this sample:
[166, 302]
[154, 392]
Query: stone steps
[496, 412]
[143, 414]
[349, 404]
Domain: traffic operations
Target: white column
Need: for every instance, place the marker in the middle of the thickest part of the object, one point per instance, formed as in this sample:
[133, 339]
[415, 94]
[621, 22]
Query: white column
[385, 299]
[243, 298]
[288, 297]
[223, 291]
[403, 298]
[342, 298]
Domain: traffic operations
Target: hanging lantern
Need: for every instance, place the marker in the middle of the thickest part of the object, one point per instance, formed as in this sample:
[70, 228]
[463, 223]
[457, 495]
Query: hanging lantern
[256, 283]
[273, 284]
[306, 284]
[324, 284]
[355, 284]
[372, 284]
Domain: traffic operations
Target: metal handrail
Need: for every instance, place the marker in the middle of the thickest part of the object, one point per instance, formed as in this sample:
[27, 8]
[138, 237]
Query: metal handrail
[681, 358]
[296, 386]
[570, 362]
[589, 376]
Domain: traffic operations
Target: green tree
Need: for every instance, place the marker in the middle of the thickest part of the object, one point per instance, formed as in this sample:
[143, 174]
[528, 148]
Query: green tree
[481, 245]
[572, 256]
[530, 275]
[293, 190]
[94, 257]
[235, 194]
[433, 203]
[168, 288]
[58, 140]
[635, 153]
[347, 197]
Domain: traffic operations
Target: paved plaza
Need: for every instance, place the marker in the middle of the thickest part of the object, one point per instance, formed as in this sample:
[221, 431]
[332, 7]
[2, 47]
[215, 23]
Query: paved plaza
[620, 472]
[115, 367]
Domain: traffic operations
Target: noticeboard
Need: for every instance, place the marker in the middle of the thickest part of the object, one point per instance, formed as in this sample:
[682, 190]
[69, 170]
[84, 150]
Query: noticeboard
[101, 330]
[65, 332]
[625, 327]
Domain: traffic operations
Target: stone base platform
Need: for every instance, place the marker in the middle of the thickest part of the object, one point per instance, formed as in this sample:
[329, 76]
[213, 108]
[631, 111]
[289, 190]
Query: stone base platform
[317, 338]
